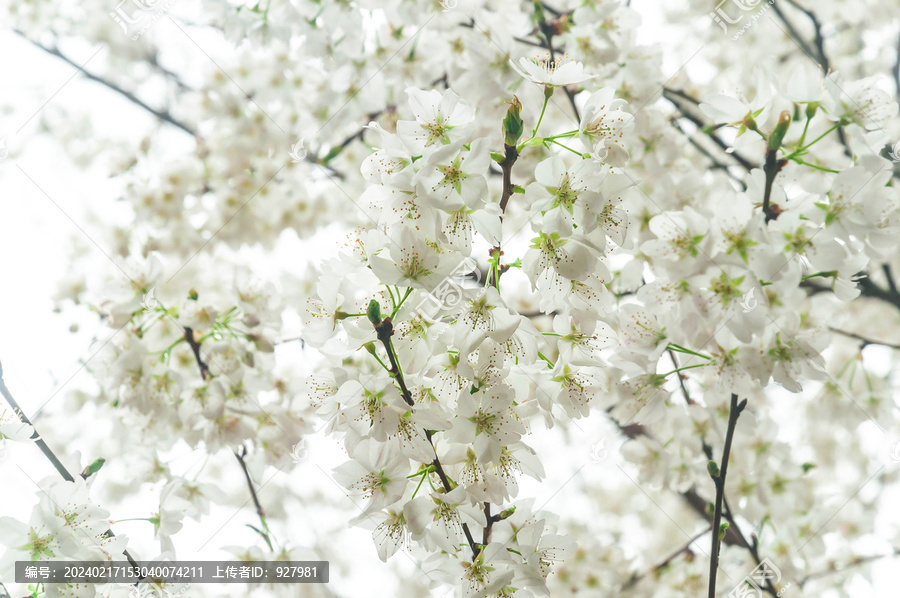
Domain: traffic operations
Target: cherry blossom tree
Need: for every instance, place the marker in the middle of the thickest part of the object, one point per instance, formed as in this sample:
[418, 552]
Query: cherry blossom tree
[478, 243]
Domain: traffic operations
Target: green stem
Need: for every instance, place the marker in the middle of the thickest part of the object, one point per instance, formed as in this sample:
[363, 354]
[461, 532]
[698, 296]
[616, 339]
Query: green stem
[828, 274]
[541, 117]
[565, 135]
[681, 349]
[802, 150]
[822, 168]
[424, 475]
[577, 153]
[686, 367]
[803, 134]
[133, 519]
[549, 363]
[399, 305]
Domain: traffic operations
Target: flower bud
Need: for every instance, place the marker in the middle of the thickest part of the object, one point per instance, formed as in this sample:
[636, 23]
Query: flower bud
[374, 312]
[723, 529]
[777, 136]
[513, 127]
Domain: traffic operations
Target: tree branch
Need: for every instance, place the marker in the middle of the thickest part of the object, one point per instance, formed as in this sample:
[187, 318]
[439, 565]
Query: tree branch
[384, 329]
[635, 578]
[733, 413]
[671, 95]
[161, 115]
[195, 347]
[855, 562]
[57, 464]
[771, 169]
[864, 342]
[264, 532]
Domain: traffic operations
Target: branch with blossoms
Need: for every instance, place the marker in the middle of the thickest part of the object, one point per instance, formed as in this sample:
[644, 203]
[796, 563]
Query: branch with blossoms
[25, 432]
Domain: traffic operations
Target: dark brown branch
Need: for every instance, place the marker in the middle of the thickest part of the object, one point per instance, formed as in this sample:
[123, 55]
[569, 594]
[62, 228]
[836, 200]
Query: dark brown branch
[264, 532]
[384, 329]
[896, 76]
[681, 377]
[39, 441]
[751, 546]
[671, 95]
[734, 412]
[792, 31]
[864, 342]
[696, 502]
[854, 562]
[635, 578]
[824, 63]
[195, 347]
[161, 115]
[771, 169]
[716, 164]
[445, 481]
[889, 276]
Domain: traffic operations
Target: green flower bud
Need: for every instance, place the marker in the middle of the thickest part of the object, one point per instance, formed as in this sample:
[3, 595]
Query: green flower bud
[811, 109]
[374, 312]
[513, 127]
[777, 136]
[93, 468]
[713, 469]
[723, 529]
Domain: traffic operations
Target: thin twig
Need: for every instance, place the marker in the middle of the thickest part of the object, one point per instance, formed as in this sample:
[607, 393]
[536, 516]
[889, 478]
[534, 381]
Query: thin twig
[384, 329]
[855, 562]
[671, 95]
[684, 390]
[264, 532]
[636, 577]
[195, 347]
[864, 342]
[734, 412]
[771, 169]
[161, 115]
[57, 464]
[751, 546]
